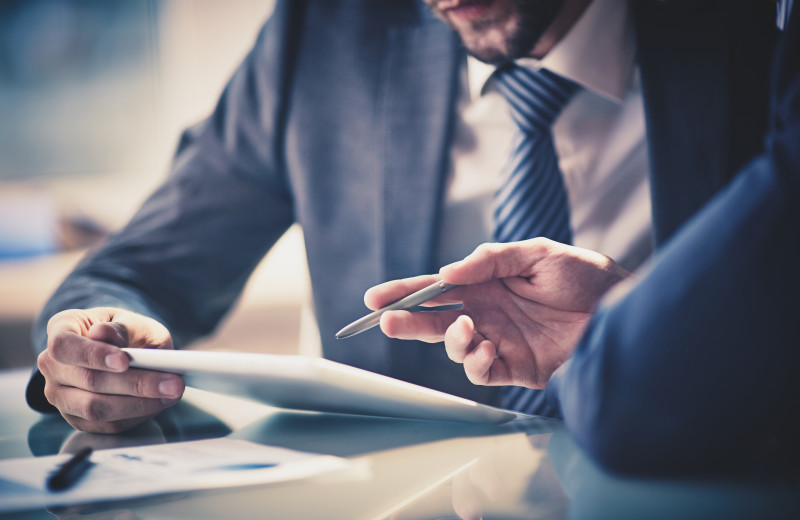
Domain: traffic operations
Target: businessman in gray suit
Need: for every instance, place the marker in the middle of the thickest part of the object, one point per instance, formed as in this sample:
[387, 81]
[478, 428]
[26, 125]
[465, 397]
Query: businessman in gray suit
[367, 124]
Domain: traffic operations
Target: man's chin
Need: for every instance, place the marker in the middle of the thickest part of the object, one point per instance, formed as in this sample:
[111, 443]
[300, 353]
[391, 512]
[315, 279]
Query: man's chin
[490, 56]
[497, 31]
[488, 40]
[491, 52]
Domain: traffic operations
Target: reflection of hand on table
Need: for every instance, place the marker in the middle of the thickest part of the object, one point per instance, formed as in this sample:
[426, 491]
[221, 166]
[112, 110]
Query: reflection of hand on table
[76, 513]
[149, 432]
[516, 473]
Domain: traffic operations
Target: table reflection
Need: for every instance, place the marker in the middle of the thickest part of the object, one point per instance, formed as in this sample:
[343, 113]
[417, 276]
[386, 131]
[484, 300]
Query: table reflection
[182, 422]
[402, 470]
[597, 495]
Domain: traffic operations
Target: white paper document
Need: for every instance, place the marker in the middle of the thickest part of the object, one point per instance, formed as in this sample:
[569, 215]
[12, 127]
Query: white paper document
[122, 473]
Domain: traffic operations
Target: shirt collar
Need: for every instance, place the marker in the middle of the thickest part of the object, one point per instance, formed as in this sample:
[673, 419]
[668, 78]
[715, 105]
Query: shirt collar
[597, 53]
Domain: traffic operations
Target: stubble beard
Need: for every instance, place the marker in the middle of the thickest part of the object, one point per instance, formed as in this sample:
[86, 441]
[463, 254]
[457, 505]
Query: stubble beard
[500, 39]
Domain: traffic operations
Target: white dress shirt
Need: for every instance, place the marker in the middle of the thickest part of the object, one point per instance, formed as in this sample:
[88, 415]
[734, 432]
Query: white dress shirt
[599, 138]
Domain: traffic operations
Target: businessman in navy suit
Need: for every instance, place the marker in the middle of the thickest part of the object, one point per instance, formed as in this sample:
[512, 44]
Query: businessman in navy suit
[351, 119]
[689, 365]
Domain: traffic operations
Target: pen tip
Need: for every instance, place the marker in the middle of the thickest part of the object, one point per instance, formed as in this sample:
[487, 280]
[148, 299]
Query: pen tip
[346, 333]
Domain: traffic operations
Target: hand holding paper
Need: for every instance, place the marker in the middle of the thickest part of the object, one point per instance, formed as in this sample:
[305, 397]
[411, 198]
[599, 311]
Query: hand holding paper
[87, 376]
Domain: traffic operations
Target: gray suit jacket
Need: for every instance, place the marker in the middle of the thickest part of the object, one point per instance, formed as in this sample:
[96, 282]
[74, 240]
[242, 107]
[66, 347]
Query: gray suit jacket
[340, 119]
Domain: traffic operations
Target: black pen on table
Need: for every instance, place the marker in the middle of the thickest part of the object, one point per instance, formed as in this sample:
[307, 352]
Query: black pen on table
[409, 302]
[69, 473]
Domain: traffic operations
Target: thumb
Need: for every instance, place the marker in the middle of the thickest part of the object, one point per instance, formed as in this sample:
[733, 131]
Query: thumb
[114, 333]
[129, 329]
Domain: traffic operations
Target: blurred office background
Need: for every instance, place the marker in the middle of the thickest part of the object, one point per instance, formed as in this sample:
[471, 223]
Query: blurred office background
[93, 96]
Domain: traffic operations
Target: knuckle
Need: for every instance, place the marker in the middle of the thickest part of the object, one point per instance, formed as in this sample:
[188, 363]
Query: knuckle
[475, 379]
[477, 373]
[142, 407]
[91, 379]
[486, 249]
[56, 344]
[94, 355]
[55, 318]
[51, 394]
[139, 386]
[541, 245]
[94, 409]
[454, 354]
[44, 363]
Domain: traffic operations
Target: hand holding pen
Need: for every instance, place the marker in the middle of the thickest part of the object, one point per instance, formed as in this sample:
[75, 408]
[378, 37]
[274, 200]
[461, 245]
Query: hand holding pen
[524, 307]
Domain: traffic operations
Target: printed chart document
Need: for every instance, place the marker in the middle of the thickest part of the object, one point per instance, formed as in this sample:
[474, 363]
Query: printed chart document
[309, 383]
[122, 473]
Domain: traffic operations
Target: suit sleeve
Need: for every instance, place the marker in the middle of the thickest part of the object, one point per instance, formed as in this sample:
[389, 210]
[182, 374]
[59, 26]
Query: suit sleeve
[186, 254]
[695, 367]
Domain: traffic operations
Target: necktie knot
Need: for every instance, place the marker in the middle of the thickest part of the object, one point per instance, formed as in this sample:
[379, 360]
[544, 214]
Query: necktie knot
[535, 97]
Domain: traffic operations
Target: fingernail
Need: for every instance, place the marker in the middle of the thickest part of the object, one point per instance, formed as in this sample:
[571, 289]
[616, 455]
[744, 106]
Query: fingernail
[169, 388]
[115, 361]
[168, 402]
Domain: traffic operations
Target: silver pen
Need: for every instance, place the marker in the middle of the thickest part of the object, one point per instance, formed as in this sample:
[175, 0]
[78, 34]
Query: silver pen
[410, 301]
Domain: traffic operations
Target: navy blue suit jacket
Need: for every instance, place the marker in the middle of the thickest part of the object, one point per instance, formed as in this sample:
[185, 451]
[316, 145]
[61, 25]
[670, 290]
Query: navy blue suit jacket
[340, 119]
[696, 367]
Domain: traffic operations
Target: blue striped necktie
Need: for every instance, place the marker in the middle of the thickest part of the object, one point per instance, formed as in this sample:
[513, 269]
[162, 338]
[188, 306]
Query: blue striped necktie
[532, 201]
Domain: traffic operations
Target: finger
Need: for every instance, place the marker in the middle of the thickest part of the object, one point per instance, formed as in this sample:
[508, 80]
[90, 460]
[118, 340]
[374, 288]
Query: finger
[428, 326]
[133, 382]
[389, 292]
[76, 321]
[111, 427]
[498, 260]
[459, 337]
[102, 408]
[68, 348]
[478, 363]
[141, 331]
[113, 333]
